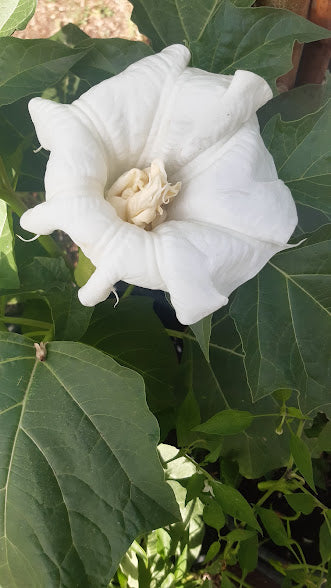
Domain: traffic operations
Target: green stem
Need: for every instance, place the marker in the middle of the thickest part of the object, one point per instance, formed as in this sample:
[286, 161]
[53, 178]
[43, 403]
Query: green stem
[128, 291]
[18, 320]
[180, 334]
[239, 580]
[265, 497]
[202, 470]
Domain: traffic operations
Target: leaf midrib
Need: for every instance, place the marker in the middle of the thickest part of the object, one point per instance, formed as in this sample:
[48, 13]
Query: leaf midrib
[12, 456]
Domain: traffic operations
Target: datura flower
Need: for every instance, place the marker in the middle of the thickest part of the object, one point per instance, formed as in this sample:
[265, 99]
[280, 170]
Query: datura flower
[161, 177]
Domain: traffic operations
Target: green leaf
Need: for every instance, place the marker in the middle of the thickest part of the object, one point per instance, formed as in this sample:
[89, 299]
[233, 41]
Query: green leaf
[202, 332]
[132, 334]
[194, 487]
[255, 39]
[51, 280]
[222, 385]
[234, 504]
[15, 14]
[30, 66]
[171, 21]
[188, 415]
[8, 270]
[302, 459]
[107, 58]
[74, 493]
[213, 515]
[324, 438]
[213, 550]
[17, 141]
[274, 527]
[301, 502]
[325, 542]
[283, 317]
[296, 103]
[248, 554]
[238, 535]
[226, 422]
[83, 270]
[301, 151]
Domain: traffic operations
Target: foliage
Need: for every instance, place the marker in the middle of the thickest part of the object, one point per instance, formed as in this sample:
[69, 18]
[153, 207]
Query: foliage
[242, 398]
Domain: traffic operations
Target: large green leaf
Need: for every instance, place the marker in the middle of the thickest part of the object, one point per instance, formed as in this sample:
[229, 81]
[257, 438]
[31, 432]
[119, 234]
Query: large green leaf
[301, 150]
[15, 14]
[221, 384]
[283, 316]
[17, 142]
[133, 335]
[107, 58]
[50, 279]
[30, 66]
[80, 477]
[172, 21]
[8, 270]
[256, 39]
[296, 103]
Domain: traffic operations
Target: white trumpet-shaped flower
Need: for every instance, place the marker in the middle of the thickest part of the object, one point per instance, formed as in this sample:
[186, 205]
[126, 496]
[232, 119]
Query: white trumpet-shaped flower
[160, 175]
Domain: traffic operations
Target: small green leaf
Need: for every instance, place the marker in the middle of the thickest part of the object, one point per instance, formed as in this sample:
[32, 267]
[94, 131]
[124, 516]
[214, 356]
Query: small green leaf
[248, 554]
[324, 438]
[212, 551]
[30, 66]
[226, 422]
[302, 459]
[188, 415]
[83, 270]
[226, 582]
[15, 14]
[274, 527]
[202, 331]
[238, 535]
[8, 270]
[234, 504]
[194, 487]
[301, 502]
[282, 396]
[230, 472]
[213, 515]
[325, 542]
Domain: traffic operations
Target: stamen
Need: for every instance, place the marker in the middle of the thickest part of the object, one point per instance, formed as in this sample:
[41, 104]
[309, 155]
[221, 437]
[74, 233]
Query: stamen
[27, 240]
[116, 296]
[37, 150]
[138, 195]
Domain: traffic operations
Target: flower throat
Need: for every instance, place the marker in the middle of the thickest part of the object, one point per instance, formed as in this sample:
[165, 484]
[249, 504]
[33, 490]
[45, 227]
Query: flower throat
[139, 195]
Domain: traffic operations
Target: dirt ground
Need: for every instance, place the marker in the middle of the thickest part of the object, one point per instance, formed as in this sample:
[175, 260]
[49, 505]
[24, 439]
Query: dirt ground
[98, 18]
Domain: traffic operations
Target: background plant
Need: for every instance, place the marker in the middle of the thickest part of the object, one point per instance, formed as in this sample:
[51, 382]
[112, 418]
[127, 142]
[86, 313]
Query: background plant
[240, 400]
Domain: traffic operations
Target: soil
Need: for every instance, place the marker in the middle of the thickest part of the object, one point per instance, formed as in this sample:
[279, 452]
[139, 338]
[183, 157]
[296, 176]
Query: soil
[97, 18]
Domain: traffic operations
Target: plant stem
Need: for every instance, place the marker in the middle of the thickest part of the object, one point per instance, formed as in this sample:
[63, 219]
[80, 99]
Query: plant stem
[239, 580]
[128, 291]
[18, 320]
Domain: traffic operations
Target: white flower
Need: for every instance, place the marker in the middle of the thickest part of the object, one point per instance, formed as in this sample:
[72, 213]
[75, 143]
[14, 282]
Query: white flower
[174, 150]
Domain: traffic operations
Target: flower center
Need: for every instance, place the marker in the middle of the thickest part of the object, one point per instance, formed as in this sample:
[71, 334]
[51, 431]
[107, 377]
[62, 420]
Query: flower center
[139, 195]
